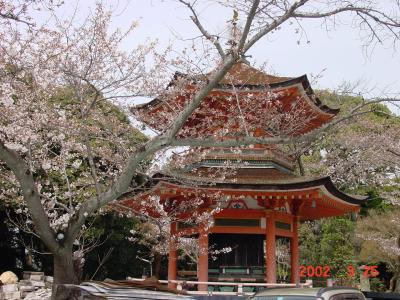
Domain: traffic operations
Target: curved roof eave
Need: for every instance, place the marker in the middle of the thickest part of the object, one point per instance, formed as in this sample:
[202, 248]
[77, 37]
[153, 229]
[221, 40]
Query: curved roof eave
[302, 79]
[281, 186]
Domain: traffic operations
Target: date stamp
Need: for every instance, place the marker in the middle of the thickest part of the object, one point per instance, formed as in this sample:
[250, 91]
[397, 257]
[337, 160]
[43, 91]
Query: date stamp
[325, 271]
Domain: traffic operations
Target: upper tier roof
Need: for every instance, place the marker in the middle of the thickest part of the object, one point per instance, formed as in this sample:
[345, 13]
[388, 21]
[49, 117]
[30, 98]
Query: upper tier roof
[244, 91]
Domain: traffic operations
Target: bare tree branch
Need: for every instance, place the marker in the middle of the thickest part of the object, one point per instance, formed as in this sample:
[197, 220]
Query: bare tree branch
[247, 26]
[270, 27]
[204, 32]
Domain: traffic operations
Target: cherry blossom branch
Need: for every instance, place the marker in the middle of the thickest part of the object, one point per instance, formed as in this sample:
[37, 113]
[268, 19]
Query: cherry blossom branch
[18, 11]
[15, 18]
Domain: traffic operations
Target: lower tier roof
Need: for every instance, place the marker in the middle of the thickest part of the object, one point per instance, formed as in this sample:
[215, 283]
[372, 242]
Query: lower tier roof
[308, 198]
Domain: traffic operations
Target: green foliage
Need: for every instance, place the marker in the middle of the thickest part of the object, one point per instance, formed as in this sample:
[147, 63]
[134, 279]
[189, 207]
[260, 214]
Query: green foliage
[328, 242]
[348, 102]
[337, 245]
[334, 100]
[375, 201]
[65, 99]
[309, 240]
[112, 231]
[350, 154]
[377, 285]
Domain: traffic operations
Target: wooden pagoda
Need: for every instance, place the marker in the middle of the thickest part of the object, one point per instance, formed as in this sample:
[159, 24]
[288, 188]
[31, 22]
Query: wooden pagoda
[260, 201]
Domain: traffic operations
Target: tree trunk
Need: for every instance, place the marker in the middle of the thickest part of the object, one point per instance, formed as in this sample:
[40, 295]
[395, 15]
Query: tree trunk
[395, 283]
[157, 265]
[64, 273]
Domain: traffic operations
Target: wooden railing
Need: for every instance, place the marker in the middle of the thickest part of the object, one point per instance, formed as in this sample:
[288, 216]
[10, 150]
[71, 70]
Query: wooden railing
[237, 286]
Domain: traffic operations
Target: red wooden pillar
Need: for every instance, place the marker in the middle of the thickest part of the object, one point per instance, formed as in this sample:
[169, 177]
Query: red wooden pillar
[294, 252]
[202, 264]
[172, 257]
[270, 248]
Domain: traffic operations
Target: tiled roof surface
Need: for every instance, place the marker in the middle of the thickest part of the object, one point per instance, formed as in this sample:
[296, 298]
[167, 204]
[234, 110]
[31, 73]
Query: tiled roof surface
[243, 175]
[242, 73]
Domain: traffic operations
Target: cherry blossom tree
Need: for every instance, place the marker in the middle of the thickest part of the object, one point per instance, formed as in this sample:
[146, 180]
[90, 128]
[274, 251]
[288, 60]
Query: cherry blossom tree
[362, 152]
[62, 139]
[39, 138]
[380, 237]
[362, 155]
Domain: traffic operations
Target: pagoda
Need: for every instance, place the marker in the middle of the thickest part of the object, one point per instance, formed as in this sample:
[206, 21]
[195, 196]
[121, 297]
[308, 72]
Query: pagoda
[261, 198]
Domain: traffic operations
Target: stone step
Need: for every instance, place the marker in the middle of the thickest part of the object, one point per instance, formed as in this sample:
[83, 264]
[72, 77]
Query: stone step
[35, 283]
[33, 275]
[38, 283]
[10, 295]
[9, 288]
[41, 294]
[27, 288]
[24, 282]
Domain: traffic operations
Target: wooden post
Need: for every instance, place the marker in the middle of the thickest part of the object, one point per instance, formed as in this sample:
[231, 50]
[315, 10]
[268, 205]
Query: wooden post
[270, 248]
[202, 264]
[172, 257]
[294, 252]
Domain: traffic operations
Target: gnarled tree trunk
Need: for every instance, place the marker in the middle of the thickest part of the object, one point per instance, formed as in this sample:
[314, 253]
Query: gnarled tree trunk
[64, 273]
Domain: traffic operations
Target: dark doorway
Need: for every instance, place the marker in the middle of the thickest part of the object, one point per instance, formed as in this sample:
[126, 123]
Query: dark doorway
[247, 250]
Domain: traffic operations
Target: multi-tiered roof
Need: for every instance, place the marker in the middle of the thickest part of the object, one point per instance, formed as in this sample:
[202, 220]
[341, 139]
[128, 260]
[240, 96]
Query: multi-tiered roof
[248, 102]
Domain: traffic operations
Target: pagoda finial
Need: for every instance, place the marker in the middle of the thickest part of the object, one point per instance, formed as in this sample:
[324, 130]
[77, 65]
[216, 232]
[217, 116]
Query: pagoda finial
[235, 17]
[235, 31]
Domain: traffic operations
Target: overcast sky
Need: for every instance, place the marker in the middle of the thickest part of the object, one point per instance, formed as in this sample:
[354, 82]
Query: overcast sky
[337, 55]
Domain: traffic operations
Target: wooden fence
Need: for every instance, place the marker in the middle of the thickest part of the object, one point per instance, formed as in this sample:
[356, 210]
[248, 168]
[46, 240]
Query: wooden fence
[226, 288]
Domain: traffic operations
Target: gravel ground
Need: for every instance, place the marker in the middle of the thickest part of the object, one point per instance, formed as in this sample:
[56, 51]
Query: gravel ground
[41, 294]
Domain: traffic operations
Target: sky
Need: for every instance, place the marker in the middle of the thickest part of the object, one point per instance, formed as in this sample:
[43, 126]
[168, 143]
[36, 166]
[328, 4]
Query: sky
[337, 55]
